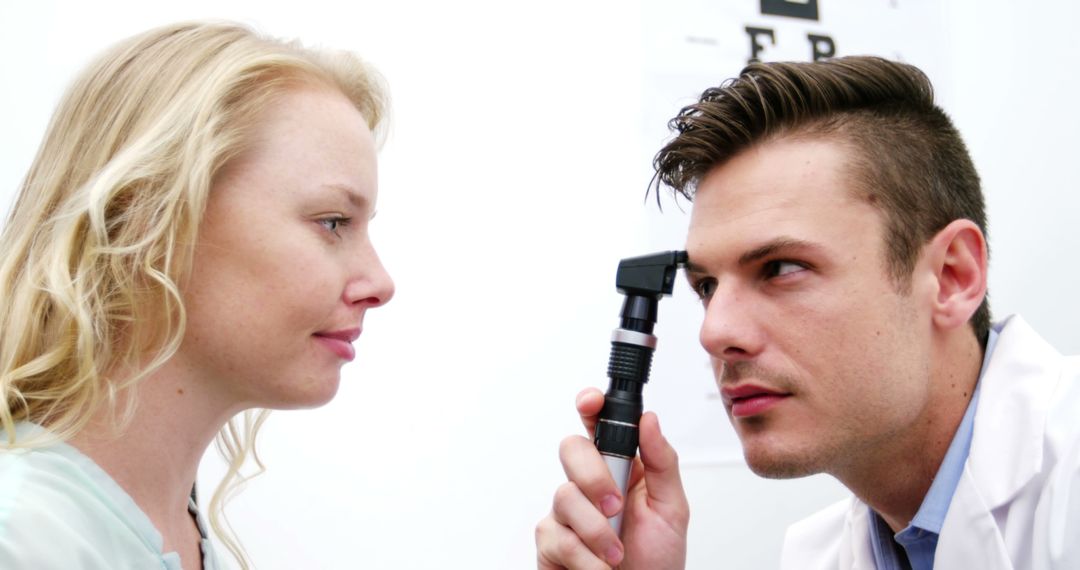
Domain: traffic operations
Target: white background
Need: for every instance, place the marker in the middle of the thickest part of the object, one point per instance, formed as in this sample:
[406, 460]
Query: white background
[512, 182]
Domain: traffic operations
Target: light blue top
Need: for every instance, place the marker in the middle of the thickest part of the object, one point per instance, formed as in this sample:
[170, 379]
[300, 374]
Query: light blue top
[919, 539]
[60, 511]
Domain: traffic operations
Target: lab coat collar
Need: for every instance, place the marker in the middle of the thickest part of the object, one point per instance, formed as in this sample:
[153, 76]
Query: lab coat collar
[1006, 450]
[970, 537]
[1017, 387]
[857, 554]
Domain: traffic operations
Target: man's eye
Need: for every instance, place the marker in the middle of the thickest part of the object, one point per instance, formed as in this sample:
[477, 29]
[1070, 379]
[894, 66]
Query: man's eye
[780, 268]
[705, 288]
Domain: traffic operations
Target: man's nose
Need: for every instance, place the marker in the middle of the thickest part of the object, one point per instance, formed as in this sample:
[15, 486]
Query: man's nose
[731, 330]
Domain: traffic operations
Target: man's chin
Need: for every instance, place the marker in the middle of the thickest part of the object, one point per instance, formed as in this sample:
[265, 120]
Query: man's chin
[772, 464]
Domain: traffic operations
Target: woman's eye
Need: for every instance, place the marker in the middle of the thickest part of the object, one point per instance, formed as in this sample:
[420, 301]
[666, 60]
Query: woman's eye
[333, 224]
[780, 268]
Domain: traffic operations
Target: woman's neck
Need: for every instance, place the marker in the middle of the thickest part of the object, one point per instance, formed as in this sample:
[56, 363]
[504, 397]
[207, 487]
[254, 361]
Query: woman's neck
[155, 456]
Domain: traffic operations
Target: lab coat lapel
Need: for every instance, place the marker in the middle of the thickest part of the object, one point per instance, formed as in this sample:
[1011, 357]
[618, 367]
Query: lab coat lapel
[970, 537]
[1007, 445]
[856, 553]
[1006, 448]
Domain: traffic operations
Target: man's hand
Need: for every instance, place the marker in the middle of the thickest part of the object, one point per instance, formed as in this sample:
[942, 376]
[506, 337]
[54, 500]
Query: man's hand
[576, 534]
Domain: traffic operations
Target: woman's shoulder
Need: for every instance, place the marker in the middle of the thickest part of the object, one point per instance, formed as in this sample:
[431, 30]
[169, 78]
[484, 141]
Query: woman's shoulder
[41, 481]
[55, 513]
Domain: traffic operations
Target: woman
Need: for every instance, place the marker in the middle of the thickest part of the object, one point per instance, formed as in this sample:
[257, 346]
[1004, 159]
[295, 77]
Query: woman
[190, 243]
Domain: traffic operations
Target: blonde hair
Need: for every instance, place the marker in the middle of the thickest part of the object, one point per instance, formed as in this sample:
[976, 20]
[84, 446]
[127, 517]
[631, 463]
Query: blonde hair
[103, 230]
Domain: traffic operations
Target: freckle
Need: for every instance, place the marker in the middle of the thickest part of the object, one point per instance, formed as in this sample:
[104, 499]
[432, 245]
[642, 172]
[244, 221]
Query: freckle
[180, 391]
[953, 385]
[965, 394]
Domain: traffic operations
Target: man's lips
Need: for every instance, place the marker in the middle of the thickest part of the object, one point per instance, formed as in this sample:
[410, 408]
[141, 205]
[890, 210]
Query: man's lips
[339, 342]
[750, 400]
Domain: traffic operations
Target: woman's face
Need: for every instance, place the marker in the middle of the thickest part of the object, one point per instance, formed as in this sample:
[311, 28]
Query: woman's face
[284, 270]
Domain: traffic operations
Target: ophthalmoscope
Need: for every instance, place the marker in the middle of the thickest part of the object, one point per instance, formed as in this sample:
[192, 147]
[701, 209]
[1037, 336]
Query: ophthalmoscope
[644, 280]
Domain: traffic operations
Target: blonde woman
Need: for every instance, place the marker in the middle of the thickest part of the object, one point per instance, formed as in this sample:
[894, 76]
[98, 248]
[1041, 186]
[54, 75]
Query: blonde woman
[189, 246]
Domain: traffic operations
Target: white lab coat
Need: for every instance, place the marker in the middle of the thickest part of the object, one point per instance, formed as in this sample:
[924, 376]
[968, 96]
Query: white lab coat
[1017, 505]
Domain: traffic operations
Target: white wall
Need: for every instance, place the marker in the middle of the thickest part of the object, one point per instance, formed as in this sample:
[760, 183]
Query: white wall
[1015, 96]
[511, 185]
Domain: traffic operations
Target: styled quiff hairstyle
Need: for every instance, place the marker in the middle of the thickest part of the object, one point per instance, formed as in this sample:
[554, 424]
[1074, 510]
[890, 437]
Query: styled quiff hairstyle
[101, 238]
[908, 159]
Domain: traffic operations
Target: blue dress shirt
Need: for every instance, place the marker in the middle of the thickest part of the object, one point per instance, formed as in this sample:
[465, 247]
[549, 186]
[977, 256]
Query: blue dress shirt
[919, 539]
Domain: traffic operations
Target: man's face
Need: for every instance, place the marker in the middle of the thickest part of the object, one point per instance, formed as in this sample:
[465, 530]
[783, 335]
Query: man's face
[821, 362]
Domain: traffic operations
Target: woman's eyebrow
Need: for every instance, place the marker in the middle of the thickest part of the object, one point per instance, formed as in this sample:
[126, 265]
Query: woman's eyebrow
[356, 198]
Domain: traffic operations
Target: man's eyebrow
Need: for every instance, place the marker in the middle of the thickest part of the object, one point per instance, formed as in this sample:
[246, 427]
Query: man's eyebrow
[692, 267]
[776, 246]
[773, 247]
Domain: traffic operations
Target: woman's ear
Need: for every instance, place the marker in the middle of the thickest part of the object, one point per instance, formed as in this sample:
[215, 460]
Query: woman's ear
[957, 258]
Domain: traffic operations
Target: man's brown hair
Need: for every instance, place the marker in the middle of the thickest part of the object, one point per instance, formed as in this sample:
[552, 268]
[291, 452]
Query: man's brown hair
[909, 160]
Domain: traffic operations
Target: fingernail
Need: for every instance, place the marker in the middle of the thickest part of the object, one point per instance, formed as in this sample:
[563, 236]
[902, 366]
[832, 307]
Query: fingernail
[614, 554]
[609, 505]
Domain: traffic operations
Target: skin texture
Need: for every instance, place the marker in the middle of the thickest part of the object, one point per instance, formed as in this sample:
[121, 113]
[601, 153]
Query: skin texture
[813, 316]
[274, 269]
[276, 263]
[868, 380]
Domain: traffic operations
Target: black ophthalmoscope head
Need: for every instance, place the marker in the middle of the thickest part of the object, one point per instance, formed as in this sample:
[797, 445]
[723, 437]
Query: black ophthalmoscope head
[644, 280]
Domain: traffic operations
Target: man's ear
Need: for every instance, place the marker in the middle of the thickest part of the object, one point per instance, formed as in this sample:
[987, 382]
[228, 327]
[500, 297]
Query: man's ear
[957, 259]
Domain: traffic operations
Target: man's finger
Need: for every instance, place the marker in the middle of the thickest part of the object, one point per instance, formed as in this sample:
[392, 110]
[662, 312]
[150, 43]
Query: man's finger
[572, 509]
[585, 467]
[559, 548]
[663, 483]
[589, 402]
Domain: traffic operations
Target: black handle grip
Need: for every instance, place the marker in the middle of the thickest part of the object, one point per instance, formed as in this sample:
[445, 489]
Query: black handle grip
[616, 428]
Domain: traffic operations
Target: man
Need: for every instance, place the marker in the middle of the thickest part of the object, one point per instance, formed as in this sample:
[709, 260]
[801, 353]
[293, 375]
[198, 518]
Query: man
[837, 241]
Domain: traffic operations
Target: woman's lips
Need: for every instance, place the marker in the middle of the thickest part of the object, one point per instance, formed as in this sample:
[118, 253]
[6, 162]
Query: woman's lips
[339, 342]
[750, 400]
